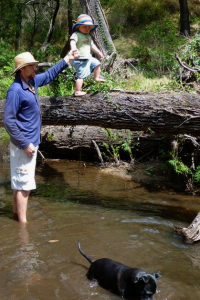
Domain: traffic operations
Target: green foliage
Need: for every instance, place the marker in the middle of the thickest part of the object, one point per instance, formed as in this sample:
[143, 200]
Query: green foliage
[112, 147]
[63, 85]
[197, 174]
[116, 142]
[157, 43]
[123, 15]
[93, 87]
[150, 170]
[50, 137]
[4, 140]
[4, 137]
[6, 68]
[126, 145]
[190, 52]
[5, 82]
[179, 167]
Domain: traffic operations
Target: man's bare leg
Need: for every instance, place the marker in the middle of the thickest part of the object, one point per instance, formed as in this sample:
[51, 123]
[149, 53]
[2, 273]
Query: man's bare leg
[15, 214]
[20, 203]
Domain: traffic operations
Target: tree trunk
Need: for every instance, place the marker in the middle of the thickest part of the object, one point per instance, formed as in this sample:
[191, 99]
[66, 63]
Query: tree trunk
[164, 113]
[184, 18]
[19, 18]
[34, 27]
[51, 26]
[101, 36]
[191, 234]
[70, 24]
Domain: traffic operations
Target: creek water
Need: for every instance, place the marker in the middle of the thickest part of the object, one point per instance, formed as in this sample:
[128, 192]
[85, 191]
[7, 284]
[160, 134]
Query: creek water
[111, 216]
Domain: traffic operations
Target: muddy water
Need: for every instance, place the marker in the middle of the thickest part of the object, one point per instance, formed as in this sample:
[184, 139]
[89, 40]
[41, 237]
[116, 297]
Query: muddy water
[112, 217]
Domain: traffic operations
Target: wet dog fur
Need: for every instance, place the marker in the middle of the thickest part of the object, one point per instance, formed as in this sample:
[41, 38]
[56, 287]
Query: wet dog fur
[131, 283]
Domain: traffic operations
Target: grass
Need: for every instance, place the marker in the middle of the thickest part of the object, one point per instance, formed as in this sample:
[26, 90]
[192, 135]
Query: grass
[125, 43]
[138, 82]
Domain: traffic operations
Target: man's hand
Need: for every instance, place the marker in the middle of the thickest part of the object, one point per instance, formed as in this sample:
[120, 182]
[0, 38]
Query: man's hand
[69, 56]
[30, 150]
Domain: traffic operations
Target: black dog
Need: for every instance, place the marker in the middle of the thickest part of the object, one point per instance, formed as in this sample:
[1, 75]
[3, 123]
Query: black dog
[122, 280]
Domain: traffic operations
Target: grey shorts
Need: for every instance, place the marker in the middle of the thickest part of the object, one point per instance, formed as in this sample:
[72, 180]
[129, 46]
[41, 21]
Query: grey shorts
[22, 169]
[84, 67]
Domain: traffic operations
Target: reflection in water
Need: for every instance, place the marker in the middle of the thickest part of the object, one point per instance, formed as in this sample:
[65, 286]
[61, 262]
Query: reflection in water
[33, 268]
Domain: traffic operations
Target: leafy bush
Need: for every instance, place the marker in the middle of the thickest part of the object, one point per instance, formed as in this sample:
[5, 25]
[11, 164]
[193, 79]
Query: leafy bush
[6, 67]
[123, 15]
[197, 174]
[179, 167]
[93, 87]
[158, 42]
[63, 85]
[190, 52]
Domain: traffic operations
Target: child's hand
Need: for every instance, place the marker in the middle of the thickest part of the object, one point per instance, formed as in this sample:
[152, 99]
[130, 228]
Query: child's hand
[100, 55]
[69, 56]
[76, 54]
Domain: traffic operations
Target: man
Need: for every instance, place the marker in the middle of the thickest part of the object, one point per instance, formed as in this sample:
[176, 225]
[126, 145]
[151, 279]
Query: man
[22, 120]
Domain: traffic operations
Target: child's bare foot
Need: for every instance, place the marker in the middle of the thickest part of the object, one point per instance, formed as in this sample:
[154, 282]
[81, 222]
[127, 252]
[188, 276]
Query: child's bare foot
[79, 93]
[100, 79]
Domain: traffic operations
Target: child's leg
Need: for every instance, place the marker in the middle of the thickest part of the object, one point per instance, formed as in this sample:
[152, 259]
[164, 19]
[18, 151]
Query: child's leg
[97, 71]
[78, 87]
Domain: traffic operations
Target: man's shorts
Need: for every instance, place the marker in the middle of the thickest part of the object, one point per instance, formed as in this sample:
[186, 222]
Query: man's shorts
[22, 169]
[84, 67]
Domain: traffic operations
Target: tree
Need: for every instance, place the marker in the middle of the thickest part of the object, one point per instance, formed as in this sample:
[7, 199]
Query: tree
[184, 18]
[19, 18]
[70, 22]
[51, 24]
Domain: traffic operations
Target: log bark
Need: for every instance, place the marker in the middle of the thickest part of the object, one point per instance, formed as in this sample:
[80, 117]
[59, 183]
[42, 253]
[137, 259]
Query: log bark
[191, 234]
[72, 141]
[164, 113]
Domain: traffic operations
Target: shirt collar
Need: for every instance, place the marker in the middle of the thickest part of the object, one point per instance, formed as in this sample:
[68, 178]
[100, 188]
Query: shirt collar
[24, 85]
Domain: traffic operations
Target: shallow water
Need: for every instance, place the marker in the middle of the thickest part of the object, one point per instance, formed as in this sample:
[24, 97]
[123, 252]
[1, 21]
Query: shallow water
[112, 217]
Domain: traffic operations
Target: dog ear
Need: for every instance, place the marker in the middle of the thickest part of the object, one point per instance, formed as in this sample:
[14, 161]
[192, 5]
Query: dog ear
[136, 279]
[143, 277]
[157, 275]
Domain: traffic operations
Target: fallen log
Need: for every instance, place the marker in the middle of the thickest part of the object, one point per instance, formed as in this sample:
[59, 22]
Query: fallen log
[191, 234]
[70, 141]
[164, 113]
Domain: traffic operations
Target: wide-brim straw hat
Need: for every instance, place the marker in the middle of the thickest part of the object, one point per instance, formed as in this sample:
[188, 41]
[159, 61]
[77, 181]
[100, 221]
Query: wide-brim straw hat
[84, 20]
[22, 60]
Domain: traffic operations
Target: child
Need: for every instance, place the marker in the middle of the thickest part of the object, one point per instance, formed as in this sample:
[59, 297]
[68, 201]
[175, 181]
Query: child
[81, 45]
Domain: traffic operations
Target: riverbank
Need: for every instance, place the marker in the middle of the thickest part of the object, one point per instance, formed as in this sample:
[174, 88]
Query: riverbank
[149, 174]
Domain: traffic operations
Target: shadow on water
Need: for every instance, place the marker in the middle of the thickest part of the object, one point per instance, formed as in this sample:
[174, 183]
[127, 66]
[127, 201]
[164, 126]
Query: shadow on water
[53, 186]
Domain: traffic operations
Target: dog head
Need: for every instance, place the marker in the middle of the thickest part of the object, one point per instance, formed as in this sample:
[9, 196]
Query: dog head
[147, 284]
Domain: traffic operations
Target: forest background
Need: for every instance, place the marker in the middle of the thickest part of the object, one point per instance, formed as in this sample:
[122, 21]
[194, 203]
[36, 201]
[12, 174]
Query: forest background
[148, 32]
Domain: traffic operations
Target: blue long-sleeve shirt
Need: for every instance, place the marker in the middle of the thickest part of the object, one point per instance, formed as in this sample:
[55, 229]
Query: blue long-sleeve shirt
[22, 116]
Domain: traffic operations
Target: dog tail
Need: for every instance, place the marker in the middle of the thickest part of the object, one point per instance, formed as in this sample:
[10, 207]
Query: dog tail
[81, 251]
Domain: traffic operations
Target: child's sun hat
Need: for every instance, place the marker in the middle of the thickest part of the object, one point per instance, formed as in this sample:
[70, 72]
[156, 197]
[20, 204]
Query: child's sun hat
[84, 20]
